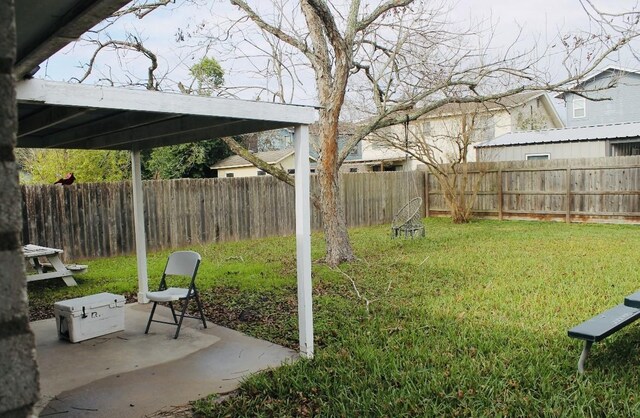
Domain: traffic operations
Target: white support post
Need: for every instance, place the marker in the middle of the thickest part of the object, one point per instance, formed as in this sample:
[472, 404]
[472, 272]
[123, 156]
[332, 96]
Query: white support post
[138, 222]
[303, 240]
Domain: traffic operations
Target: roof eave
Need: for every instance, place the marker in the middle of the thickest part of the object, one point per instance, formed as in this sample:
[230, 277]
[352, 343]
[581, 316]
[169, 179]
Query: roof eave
[80, 95]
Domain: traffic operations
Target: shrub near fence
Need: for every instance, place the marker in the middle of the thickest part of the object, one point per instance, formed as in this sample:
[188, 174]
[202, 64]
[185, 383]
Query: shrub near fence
[576, 190]
[96, 220]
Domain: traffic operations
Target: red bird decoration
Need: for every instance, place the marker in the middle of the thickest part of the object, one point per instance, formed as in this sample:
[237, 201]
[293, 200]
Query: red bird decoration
[66, 180]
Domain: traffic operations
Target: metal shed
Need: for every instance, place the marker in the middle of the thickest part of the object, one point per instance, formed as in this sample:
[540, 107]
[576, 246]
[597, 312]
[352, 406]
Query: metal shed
[611, 140]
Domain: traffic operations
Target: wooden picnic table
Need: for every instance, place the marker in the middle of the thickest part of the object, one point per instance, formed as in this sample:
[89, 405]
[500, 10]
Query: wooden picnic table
[32, 254]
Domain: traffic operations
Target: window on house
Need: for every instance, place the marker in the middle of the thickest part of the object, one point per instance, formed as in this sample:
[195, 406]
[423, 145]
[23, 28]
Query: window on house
[579, 107]
[486, 129]
[355, 151]
[291, 171]
[426, 128]
[538, 157]
[625, 148]
[353, 170]
[261, 173]
[229, 174]
[312, 170]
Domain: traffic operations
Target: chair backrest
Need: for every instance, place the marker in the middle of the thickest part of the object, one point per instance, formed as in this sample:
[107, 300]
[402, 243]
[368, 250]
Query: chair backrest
[407, 213]
[183, 263]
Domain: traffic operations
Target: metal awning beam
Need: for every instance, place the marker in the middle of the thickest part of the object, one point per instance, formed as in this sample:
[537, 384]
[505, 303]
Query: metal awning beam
[48, 118]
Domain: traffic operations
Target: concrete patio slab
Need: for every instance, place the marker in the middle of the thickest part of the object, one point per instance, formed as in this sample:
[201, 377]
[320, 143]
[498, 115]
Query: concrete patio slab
[130, 374]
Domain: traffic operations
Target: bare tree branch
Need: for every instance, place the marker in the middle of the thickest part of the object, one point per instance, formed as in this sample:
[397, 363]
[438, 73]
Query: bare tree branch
[379, 11]
[277, 32]
[135, 45]
[141, 10]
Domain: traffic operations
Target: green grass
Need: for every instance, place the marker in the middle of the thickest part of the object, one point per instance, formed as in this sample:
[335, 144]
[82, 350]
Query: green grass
[470, 321]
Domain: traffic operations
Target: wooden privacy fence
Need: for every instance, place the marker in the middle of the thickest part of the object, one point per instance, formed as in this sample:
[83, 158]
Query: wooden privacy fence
[576, 190]
[96, 220]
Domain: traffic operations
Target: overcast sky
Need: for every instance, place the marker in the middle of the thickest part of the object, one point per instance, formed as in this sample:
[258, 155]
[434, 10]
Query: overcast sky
[538, 21]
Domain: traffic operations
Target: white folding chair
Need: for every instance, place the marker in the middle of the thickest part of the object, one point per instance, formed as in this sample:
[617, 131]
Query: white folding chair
[180, 263]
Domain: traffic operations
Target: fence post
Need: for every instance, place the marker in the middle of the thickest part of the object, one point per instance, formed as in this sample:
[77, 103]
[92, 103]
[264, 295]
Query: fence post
[568, 197]
[426, 194]
[500, 199]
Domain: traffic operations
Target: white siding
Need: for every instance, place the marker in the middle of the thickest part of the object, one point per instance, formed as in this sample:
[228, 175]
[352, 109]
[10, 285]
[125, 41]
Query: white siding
[592, 149]
[251, 171]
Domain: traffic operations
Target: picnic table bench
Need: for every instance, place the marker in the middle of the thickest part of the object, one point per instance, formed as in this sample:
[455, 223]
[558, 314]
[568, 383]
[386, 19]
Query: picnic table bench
[33, 253]
[633, 301]
[601, 326]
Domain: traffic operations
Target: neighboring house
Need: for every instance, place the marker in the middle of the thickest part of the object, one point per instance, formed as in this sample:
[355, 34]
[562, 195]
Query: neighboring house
[621, 102]
[236, 166]
[618, 139]
[524, 111]
[378, 159]
[273, 140]
[372, 157]
[521, 112]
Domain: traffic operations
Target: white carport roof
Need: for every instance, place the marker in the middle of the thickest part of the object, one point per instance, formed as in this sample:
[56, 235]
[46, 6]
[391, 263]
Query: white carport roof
[61, 115]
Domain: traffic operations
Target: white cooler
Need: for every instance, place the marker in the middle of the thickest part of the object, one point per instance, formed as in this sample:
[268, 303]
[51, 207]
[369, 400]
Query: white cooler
[88, 317]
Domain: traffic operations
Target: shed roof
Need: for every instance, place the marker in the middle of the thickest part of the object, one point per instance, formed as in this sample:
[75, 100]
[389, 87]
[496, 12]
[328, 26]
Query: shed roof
[580, 133]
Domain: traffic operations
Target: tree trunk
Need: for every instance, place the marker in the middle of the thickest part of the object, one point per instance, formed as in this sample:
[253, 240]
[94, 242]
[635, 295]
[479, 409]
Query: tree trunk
[334, 224]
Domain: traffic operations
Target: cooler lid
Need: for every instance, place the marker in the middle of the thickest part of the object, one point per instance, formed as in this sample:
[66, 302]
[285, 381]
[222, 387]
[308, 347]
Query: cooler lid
[99, 299]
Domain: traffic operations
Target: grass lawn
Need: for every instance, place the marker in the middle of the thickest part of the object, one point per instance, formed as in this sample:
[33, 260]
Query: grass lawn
[470, 321]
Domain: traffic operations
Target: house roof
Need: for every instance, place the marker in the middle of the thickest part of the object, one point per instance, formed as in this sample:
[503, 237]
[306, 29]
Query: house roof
[611, 68]
[579, 133]
[271, 157]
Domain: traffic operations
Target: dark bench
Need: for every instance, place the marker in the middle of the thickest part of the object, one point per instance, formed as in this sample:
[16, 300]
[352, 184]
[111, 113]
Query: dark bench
[601, 326]
[633, 301]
